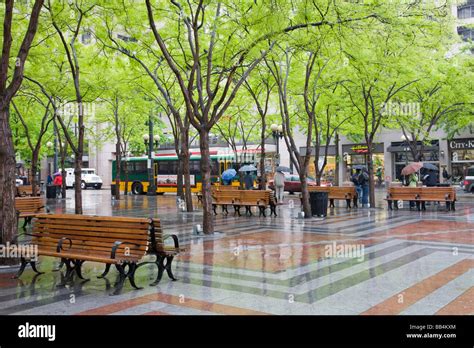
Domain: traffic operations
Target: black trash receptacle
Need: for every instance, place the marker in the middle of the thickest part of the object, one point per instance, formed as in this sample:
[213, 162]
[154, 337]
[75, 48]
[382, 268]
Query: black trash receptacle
[319, 203]
[51, 191]
[112, 189]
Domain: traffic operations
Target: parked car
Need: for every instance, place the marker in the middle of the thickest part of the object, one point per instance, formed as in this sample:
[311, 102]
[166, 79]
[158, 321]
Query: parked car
[468, 182]
[18, 181]
[88, 178]
[293, 183]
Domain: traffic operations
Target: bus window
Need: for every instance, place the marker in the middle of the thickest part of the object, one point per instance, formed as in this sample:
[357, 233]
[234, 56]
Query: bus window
[221, 167]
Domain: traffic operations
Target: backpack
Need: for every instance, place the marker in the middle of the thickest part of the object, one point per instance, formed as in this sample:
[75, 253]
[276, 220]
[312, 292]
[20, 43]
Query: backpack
[362, 178]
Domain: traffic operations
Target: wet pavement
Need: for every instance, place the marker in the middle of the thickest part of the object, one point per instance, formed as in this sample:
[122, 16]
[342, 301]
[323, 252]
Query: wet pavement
[355, 261]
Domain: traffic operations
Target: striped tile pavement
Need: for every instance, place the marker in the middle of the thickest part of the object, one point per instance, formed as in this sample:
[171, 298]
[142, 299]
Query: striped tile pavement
[382, 262]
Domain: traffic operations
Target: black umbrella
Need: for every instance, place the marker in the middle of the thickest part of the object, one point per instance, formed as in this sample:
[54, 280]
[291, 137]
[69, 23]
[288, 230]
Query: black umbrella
[283, 169]
[430, 166]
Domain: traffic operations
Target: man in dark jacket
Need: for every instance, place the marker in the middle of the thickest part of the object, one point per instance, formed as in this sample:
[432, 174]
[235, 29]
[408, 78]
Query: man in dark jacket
[248, 181]
[431, 179]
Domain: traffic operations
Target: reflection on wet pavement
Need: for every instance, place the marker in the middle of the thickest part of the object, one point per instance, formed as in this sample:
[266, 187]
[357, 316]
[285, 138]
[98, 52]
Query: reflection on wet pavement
[357, 261]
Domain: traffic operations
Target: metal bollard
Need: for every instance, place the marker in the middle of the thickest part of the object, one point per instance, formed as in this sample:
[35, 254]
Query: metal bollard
[197, 229]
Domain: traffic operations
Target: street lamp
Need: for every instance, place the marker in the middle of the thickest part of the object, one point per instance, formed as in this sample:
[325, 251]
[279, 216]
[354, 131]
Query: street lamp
[151, 142]
[277, 134]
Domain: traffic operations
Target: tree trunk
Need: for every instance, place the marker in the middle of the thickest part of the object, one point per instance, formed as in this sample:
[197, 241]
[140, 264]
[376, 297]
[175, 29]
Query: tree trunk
[305, 194]
[179, 178]
[34, 170]
[187, 176]
[207, 222]
[118, 167]
[263, 176]
[336, 174]
[77, 184]
[7, 183]
[318, 172]
[125, 169]
[370, 166]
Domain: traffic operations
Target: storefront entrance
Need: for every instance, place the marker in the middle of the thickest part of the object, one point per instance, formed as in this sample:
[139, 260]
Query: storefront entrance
[462, 157]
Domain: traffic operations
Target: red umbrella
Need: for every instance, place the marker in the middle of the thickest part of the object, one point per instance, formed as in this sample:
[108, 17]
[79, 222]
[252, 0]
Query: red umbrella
[412, 168]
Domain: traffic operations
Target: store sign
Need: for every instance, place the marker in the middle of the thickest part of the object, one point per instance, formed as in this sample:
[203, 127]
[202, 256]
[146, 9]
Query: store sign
[360, 148]
[461, 144]
[355, 149]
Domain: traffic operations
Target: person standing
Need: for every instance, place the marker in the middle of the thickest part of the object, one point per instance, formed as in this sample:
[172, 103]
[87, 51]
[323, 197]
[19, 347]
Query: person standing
[355, 180]
[279, 182]
[413, 182]
[248, 181]
[58, 183]
[49, 180]
[364, 183]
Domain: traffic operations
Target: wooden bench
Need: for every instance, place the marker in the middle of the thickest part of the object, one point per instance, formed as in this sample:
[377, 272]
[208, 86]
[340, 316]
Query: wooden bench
[119, 241]
[439, 194]
[28, 207]
[395, 194]
[245, 198]
[215, 188]
[24, 190]
[162, 251]
[347, 193]
[420, 195]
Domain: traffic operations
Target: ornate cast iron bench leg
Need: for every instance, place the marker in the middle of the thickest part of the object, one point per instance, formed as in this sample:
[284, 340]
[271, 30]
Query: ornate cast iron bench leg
[169, 260]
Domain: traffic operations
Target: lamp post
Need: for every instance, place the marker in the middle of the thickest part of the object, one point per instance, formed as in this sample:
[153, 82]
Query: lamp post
[151, 142]
[277, 134]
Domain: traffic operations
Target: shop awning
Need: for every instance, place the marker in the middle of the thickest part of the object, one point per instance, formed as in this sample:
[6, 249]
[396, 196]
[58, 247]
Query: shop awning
[407, 148]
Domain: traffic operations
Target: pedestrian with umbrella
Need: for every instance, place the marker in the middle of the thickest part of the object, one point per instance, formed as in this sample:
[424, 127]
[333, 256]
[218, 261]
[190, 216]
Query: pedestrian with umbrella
[228, 175]
[248, 178]
[58, 183]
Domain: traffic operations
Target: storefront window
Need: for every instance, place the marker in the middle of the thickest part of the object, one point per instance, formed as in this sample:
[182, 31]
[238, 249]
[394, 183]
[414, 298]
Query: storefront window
[460, 161]
[329, 169]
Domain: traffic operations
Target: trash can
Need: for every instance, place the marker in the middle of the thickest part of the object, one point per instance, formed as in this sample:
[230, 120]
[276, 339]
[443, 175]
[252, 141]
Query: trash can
[319, 203]
[112, 189]
[50, 191]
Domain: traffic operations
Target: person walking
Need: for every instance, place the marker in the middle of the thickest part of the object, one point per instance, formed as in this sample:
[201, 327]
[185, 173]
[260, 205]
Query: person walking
[279, 182]
[355, 180]
[364, 183]
[58, 183]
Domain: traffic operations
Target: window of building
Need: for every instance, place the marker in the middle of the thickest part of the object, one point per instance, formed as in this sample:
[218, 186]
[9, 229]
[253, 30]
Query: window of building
[466, 33]
[466, 11]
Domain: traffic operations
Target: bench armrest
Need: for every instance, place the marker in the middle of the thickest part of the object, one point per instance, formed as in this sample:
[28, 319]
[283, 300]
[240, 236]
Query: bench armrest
[116, 246]
[59, 247]
[175, 239]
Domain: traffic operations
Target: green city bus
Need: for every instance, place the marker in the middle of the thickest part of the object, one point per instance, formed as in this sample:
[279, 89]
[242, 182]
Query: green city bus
[166, 172]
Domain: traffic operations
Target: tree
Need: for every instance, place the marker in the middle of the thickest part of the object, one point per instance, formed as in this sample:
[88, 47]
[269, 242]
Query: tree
[32, 106]
[260, 86]
[383, 65]
[441, 101]
[9, 85]
[78, 11]
[213, 43]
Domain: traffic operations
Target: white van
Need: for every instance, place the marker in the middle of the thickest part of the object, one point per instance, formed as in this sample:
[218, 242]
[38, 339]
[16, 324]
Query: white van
[88, 178]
